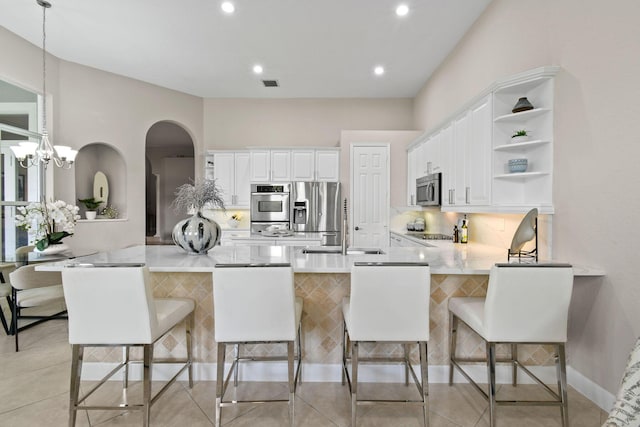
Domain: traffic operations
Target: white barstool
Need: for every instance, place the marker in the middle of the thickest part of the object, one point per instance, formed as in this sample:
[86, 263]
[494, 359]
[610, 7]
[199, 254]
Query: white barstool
[114, 307]
[525, 304]
[389, 303]
[255, 303]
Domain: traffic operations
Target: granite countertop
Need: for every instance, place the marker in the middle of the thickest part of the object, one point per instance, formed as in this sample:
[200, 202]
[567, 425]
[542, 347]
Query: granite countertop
[445, 259]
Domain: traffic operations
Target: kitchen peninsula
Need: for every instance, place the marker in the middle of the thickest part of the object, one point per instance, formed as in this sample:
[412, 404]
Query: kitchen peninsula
[322, 280]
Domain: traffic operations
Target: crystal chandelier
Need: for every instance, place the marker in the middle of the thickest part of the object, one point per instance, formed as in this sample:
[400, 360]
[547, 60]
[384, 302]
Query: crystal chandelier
[33, 153]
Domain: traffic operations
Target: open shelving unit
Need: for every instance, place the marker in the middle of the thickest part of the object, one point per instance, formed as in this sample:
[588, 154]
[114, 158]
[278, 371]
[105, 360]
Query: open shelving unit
[532, 188]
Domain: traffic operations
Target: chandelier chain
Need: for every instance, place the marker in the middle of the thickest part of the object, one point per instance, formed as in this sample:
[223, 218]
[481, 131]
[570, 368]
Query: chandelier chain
[44, 68]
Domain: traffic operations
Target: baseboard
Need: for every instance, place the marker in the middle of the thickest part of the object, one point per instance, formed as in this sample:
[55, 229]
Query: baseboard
[592, 391]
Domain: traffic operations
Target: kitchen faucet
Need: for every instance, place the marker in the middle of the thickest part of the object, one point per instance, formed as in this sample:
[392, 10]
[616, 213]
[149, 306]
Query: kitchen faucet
[345, 225]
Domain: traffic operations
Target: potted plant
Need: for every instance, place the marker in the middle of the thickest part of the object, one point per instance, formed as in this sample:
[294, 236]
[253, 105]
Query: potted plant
[92, 207]
[519, 136]
[48, 223]
[197, 234]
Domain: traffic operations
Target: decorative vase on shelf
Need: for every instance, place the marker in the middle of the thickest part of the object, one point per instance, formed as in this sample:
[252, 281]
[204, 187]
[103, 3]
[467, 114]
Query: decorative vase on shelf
[197, 234]
[52, 249]
[523, 104]
[90, 214]
[520, 138]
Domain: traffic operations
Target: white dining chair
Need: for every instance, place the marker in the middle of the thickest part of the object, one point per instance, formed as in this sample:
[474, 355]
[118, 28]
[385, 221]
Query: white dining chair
[113, 307]
[525, 304]
[389, 303]
[255, 303]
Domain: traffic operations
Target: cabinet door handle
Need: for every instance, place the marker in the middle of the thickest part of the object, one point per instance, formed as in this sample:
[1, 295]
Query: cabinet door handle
[466, 194]
[412, 202]
[357, 228]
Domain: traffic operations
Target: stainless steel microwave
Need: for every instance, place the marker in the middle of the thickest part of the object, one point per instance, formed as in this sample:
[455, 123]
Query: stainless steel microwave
[428, 189]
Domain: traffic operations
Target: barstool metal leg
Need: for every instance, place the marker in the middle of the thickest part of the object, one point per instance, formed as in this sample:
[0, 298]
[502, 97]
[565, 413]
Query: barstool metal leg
[514, 365]
[300, 354]
[561, 367]
[406, 364]
[292, 385]
[344, 351]
[147, 363]
[491, 369]
[354, 382]
[453, 336]
[236, 357]
[220, 382]
[189, 335]
[424, 369]
[125, 371]
[74, 387]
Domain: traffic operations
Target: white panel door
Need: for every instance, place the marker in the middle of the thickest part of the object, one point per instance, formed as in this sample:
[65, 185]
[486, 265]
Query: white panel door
[243, 183]
[303, 165]
[369, 225]
[223, 173]
[327, 165]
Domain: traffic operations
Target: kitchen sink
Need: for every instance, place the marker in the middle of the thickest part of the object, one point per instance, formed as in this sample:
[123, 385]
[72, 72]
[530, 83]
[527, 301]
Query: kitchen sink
[338, 250]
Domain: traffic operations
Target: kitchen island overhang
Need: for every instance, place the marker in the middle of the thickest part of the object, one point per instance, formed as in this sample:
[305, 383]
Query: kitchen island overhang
[322, 280]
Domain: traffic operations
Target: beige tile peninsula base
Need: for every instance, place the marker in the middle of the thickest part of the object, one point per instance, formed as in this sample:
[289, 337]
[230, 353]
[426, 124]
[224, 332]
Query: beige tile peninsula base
[322, 321]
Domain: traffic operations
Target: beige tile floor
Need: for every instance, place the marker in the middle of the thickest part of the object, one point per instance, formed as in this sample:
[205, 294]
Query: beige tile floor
[34, 392]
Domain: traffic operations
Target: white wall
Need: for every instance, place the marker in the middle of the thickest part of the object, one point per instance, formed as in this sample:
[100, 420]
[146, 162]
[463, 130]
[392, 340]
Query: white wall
[238, 123]
[596, 148]
[88, 105]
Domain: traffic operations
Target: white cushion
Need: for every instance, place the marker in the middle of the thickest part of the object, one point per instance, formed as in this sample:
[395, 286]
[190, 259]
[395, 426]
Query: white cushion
[40, 296]
[470, 310]
[170, 312]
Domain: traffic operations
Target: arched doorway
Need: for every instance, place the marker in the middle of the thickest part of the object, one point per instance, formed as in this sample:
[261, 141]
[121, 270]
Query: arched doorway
[169, 163]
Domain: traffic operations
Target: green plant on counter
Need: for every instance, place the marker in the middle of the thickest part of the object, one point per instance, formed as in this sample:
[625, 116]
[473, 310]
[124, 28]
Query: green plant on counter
[521, 132]
[91, 203]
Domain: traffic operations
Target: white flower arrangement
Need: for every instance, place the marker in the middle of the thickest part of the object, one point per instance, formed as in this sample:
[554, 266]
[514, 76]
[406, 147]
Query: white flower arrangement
[50, 222]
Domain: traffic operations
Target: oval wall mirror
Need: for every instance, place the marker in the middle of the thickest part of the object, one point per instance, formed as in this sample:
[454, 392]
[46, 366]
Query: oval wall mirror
[101, 188]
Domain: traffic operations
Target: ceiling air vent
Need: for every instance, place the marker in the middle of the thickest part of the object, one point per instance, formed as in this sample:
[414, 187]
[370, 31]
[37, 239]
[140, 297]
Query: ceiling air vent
[270, 83]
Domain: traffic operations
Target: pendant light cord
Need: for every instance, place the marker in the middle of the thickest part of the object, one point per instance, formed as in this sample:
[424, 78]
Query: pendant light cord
[44, 68]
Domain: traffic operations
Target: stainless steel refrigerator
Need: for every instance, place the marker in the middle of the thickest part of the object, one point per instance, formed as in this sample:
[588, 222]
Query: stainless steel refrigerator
[315, 208]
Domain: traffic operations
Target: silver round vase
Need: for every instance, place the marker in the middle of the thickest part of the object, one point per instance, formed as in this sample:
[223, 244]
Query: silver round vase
[197, 234]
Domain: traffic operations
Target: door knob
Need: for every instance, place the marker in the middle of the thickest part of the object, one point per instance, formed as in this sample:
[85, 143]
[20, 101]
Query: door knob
[357, 228]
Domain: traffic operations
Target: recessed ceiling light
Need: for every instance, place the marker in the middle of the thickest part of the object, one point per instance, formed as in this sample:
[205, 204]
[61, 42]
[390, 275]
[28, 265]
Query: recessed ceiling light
[402, 10]
[227, 7]
[257, 69]
[378, 70]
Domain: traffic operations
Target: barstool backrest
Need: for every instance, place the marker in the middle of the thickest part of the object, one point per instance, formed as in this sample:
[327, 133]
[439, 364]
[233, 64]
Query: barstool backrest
[528, 303]
[26, 277]
[254, 302]
[110, 305]
[389, 302]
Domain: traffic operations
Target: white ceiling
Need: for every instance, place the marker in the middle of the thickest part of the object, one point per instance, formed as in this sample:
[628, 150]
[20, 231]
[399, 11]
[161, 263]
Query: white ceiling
[314, 48]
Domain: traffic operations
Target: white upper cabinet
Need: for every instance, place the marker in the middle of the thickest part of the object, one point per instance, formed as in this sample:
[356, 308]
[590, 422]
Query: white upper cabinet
[270, 165]
[478, 188]
[230, 169]
[315, 165]
[280, 165]
[260, 165]
[303, 165]
[473, 149]
[327, 165]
